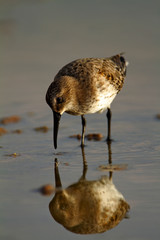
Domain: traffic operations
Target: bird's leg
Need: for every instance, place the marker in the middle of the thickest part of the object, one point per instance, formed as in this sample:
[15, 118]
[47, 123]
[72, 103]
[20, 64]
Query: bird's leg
[110, 158]
[109, 153]
[83, 129]
[85, 166]
[109, 115]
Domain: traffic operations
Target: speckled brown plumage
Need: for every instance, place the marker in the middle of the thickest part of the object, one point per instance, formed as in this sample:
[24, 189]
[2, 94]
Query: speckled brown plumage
[114, 69]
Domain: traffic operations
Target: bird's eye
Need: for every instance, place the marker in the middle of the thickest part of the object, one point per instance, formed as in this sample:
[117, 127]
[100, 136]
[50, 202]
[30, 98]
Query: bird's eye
[59, 100]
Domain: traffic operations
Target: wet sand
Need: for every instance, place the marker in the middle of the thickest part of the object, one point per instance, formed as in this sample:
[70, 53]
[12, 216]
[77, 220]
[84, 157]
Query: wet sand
[37, 40]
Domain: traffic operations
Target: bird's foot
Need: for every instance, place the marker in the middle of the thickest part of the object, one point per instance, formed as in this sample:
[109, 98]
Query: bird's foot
[109, 140]
[82, 145]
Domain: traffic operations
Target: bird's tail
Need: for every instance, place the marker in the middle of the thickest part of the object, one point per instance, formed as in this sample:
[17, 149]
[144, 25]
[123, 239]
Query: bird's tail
[121, 63]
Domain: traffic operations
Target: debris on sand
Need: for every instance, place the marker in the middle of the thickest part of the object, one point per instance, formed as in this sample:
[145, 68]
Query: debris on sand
[47, 189]
[10, 119]
[158, 116]
[77, 136]
[118, 167]
[94, 136]
[13, 155]
[89, 137]
[43, 129]
[2, 131]
[17, 131]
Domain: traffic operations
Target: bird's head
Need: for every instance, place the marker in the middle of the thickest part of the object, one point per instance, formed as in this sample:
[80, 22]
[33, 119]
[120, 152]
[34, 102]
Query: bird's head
[59, 97]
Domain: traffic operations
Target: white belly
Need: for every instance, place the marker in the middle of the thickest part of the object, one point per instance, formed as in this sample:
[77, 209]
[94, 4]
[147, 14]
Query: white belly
[104, 99]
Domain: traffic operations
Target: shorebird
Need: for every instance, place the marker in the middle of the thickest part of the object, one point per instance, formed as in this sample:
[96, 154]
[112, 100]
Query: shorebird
[86, 86]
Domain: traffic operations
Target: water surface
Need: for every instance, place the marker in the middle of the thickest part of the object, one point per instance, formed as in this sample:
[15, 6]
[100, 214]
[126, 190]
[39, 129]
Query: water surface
[37, 39]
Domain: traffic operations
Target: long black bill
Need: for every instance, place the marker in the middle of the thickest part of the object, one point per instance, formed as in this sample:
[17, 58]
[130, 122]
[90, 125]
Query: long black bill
[56, 117]
[57, 176]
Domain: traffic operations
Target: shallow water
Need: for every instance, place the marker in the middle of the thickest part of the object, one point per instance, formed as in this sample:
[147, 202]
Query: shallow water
[38, 38]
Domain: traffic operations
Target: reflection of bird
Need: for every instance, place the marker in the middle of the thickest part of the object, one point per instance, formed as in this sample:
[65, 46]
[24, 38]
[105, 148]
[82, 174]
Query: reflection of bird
[88, 206]
[86, 86]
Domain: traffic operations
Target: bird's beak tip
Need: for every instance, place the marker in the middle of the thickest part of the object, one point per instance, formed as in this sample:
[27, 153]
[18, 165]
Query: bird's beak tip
[55, 146]
[56, 117]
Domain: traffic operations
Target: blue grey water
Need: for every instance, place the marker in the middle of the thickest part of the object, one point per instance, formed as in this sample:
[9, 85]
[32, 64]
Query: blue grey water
[37, 39]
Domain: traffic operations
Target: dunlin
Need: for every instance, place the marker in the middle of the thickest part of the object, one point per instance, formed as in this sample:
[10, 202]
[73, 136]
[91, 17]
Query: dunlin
[85, 86]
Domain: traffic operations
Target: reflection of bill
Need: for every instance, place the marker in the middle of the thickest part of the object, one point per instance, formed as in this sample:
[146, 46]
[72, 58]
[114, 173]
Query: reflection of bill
[88, 206]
